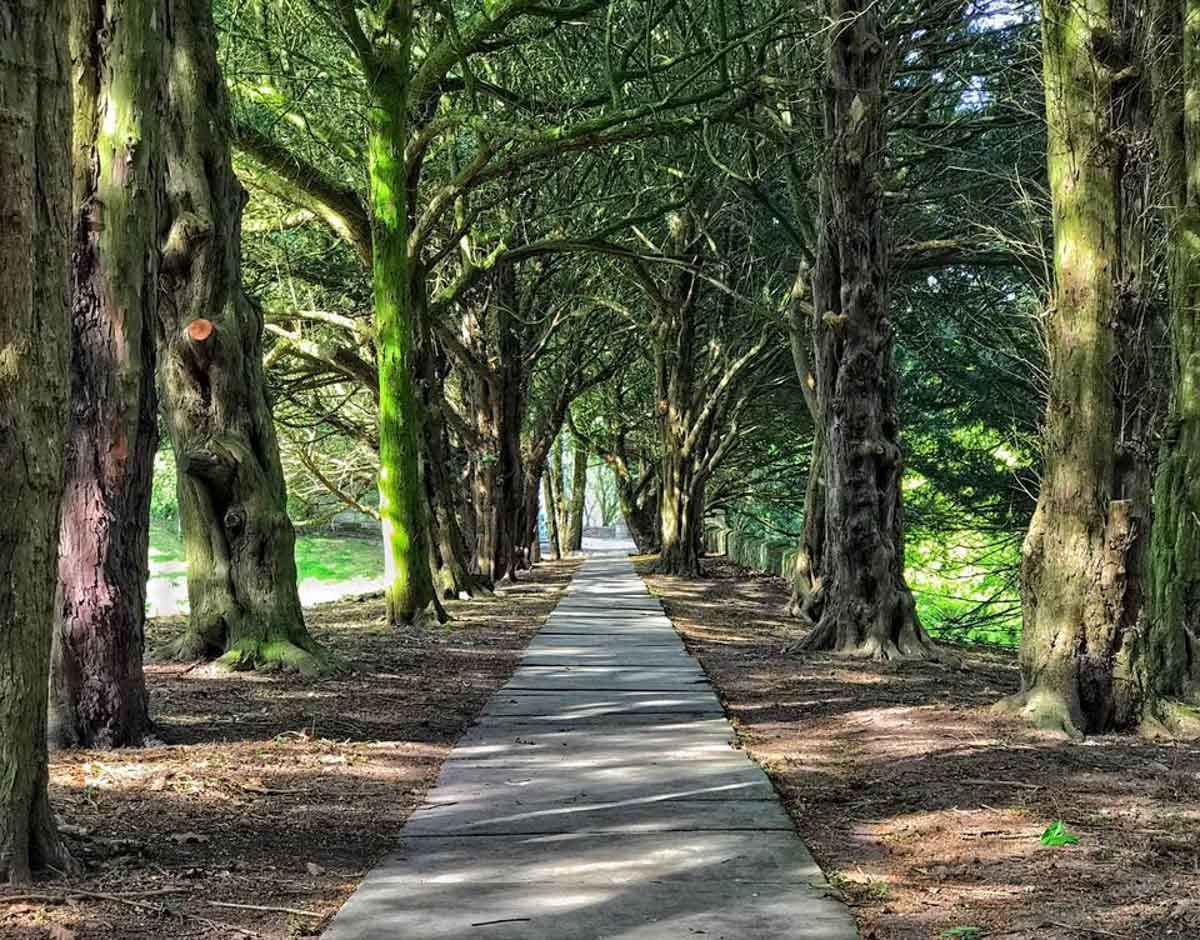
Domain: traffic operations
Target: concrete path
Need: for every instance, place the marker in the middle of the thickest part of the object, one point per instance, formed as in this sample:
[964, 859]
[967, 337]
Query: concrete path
[598, 797]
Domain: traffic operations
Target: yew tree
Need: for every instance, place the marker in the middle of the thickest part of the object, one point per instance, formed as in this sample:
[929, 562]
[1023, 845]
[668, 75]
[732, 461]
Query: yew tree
[35, 342]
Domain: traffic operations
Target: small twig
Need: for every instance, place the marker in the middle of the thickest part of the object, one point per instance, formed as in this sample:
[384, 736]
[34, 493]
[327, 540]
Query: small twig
[259, 907]
[142, 905]
[505, 920]
[1095, 930]
[983, 782]
[71, 895]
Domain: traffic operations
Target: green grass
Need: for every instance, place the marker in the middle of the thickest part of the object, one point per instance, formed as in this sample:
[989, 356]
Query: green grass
[323, 558]
[326, 568]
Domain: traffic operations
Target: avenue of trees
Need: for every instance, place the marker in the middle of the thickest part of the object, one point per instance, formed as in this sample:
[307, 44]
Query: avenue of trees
[856, 274]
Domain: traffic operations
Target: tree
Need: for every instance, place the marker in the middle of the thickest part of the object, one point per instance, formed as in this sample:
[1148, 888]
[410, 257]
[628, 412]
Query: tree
[578, 491]
[35, 340]
[866, 606]
[238, 539]
[1083, 564]
[1171, 654]
[98, 690]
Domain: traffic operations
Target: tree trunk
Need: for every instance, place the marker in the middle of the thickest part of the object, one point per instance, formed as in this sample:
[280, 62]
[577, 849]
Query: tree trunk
[578, 494]
[35, 338]
[402, 495]
[238, 540]
[868, 609]
[551, 501]
[98, 690]
[1081, 572]
[1174, 591]
[638, 504]
[806, 574]
[677, 509]
[560, 498]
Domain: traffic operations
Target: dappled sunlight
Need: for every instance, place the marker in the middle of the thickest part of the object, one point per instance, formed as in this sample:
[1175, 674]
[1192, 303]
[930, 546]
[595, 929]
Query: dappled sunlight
[925, 808]
[271, 785]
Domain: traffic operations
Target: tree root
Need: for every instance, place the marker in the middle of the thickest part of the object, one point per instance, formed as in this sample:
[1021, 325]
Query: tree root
[1045, 709]
[274, 654]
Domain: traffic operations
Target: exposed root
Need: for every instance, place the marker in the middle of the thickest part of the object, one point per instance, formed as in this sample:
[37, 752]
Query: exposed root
[192, 646]
[274, 654]
[1045, 709]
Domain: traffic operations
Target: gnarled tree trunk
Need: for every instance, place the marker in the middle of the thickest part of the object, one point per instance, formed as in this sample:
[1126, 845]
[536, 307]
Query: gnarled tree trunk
[1082, 565]
[98, 690]
[35, 339]
[867, 607]
[239, 542]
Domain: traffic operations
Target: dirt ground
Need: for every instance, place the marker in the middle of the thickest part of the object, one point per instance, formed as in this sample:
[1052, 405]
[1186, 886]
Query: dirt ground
[926, 810]
[271, 791]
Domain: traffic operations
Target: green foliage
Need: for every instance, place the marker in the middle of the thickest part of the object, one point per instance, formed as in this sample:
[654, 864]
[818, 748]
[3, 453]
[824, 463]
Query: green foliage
[163, 501]
[1057, 834]
[962, 933]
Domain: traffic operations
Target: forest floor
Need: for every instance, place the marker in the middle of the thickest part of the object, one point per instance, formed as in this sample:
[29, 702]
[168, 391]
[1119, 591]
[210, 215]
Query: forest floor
[271, 791]
[925, 809]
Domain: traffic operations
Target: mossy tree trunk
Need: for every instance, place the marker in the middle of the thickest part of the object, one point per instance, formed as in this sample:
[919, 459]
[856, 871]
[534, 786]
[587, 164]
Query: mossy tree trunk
[239, 542]
[409, 589]
[867, 608]
[35, 342]
[1172, 661]
[98, 690]
[1082, 564]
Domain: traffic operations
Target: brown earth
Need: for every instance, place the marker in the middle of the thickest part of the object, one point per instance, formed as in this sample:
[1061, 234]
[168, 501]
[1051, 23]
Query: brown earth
[925, 809]
[271, 791]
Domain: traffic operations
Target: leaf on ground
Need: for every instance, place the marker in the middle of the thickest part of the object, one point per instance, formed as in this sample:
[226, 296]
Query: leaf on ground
[1057, 834]
[962, 933]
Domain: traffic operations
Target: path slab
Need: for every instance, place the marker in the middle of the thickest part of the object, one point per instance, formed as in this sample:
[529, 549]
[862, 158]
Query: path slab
[599, 797]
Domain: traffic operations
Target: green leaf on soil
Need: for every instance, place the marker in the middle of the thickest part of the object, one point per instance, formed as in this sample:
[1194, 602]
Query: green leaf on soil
[1056, 834]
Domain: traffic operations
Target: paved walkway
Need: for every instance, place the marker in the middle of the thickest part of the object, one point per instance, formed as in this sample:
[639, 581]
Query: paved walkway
[598, 797]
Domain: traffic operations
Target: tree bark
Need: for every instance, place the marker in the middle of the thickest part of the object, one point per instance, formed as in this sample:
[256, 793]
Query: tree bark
[35, 337]
[239, 542]
[551, 501]
[867, 609]
[1081, 572]
[578, 494]
[98, 690]
[402, 505]
[560, 497]
[806, 573]
[1171, 661]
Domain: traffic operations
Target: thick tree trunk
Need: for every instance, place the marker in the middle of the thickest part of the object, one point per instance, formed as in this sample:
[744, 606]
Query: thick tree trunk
[98, 690]
[35, 338]
[238, 539]
[679, 513]
[1081, 573]
[578, 495]
[1172, 662]
[867, 609]
[402, 495]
